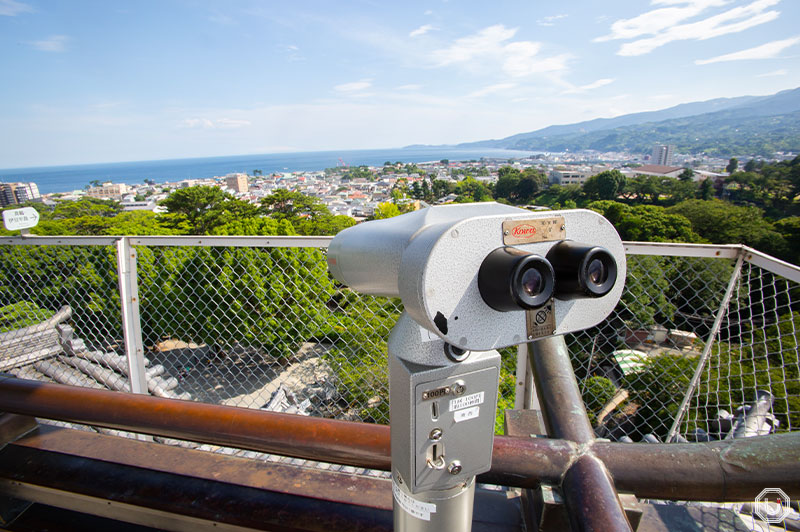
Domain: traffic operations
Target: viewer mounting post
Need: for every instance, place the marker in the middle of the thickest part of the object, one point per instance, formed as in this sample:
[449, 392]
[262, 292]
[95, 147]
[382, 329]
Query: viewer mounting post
[473, 279]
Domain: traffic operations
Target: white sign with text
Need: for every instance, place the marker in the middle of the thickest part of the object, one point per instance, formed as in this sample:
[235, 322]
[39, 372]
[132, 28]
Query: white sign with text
[18, 219]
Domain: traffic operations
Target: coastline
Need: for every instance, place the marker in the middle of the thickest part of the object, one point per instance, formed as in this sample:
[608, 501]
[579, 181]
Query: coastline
[68, 178]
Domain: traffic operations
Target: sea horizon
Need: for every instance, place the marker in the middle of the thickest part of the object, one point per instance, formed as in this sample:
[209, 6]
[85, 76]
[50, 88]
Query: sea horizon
[68, 178]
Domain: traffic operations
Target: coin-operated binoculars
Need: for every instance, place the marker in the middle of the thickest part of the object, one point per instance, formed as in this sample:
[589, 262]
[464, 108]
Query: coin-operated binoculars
[473, 278]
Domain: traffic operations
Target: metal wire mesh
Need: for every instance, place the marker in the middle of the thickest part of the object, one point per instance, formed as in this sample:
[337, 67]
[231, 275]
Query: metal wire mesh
[60, 315]
[265, 328]
[750, 383]
[268, 328]
[637, 367]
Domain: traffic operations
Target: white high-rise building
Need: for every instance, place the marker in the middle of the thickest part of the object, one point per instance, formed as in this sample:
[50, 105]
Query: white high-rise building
[662, 154]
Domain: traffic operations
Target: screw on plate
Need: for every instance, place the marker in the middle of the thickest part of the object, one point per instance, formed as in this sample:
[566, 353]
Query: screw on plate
[435, 435]
[454, 468]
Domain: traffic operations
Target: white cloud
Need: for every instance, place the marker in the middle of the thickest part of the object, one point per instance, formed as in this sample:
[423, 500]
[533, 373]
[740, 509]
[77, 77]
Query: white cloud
[196, 123]
[206, 123]
[11, 8]
[665, 25]
[409, 87]
[491, 89]
[422, 30]
[590, 86]
[765, 51]
[779, 72]
[489, 46]
[486, 41]
[355, 86]
[550, 21]
[54, 43]
[597, 84]
[231, 123]
[658, 20]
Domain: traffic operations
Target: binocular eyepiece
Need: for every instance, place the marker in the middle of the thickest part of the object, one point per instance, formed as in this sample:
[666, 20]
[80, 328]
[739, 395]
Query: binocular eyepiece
[510, 279]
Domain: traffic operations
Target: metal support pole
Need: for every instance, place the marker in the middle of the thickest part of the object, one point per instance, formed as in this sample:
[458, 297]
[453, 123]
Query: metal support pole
[442, 408]
[131, 320]
[589, 493]
[701, 364]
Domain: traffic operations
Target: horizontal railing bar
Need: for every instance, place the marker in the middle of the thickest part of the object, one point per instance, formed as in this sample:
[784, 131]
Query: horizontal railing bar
[35, 240]
[677, 249]
[729, 470]
[235, 241]
[770, 263]
[173, 240]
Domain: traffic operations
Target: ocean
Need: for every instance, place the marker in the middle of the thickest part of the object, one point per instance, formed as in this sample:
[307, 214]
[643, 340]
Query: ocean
[68, 178]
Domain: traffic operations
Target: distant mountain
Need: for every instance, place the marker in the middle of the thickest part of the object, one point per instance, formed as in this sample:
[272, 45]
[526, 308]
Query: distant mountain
[724, 126]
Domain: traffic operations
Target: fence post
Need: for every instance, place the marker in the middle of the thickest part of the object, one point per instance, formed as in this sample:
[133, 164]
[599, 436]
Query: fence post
[525, 397]
[131, 320]
[712, 334]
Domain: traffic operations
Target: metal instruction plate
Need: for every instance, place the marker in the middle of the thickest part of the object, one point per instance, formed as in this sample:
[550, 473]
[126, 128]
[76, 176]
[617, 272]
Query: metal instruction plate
[534, 230]
[540, 322]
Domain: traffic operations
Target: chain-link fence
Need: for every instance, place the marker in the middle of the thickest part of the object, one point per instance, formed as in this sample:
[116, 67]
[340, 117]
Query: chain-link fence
[699, 346]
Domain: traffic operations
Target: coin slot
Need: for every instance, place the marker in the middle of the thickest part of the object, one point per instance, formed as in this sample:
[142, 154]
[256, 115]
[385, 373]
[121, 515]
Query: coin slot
[435, 456]
[435, 410]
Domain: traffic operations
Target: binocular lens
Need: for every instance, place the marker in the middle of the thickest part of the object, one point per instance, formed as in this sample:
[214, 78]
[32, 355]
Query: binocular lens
[596, 273]
[532, 282]
[582, 270]
[511, 279]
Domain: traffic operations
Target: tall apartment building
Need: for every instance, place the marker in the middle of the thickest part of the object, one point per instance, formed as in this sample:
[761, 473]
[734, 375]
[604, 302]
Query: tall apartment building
[237, 183]
[16, 193]
[662, 154]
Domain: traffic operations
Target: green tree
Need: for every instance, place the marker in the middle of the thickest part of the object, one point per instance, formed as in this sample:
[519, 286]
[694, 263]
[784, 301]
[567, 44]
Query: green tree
[290, 205]
[706, 191]
[270, 297]
[605, 185]
[471, 190]
[507, 184]
[531, 182]
[649, 223]
[733, 164]
[723, 223]
[86, 207]
[386, 210]
[198, 210]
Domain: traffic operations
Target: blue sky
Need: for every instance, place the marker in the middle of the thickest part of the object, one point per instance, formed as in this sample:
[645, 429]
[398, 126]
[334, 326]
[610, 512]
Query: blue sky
[103, 81]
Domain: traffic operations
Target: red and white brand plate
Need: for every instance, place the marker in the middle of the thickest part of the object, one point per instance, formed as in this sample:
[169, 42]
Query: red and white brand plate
[536, 230]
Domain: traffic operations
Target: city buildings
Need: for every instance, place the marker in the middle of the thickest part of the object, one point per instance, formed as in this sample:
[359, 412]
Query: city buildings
[16, 193]
[109, 191]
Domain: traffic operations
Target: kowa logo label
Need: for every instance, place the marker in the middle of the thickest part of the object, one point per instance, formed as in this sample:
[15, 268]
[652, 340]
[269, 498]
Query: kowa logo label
[523, 231]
